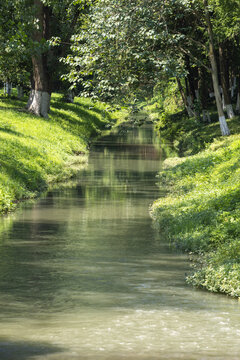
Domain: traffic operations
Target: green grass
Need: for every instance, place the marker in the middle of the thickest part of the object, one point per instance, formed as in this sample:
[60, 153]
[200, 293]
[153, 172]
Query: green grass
[189, 136]
[35, 152]
[201, 211]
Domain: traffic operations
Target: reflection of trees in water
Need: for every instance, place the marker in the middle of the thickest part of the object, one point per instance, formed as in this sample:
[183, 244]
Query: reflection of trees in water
[127, 134]
[23, 350]
[48, 268]
[55, 251]
[66, 195]
[136, 151]
[121, 185]
[23, 275]
[5, 225]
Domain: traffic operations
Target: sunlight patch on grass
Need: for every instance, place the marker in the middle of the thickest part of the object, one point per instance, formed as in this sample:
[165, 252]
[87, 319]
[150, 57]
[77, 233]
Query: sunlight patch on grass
[201, 213]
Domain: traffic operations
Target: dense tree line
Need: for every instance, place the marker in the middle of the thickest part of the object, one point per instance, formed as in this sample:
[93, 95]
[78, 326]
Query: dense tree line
[128, 47]
[119, 49]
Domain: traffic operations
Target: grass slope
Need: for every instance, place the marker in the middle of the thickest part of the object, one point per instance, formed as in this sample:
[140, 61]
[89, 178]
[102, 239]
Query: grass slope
[35, 151]
[201, 211]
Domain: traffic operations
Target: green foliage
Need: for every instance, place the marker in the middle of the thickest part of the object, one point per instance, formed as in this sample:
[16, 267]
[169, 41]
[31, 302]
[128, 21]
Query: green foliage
[35, 152]
[226, 21]
[14, 56]
[18, 43]
[224, 278]
[124, 47]
[187, 135]
[201, 213]
[165, 103]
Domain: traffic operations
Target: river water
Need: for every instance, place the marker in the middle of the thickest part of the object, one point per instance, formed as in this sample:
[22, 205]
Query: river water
[84, 275]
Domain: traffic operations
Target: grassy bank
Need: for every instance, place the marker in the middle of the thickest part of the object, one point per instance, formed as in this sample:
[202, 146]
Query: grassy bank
[35, 152]
[201, 211]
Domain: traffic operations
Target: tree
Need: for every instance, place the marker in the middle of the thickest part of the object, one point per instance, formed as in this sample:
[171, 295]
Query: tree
[14, 55]
[26, 32]
[47, 15]
[121, 50]
[39, 100]
[214, 69]
[226, 26]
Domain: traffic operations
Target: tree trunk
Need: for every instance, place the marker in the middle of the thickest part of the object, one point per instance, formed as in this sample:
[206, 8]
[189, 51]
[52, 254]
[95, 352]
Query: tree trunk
[8, 88]
[184, 99]
[20, 91]
[238, 95]
[190, 81]
[40, 95]
[190, 78]
[223, 124]
[233, 87]
[69, 97]
[202, 93]
[237, 71]
[225, 82]
[189, 102]
[238, 103]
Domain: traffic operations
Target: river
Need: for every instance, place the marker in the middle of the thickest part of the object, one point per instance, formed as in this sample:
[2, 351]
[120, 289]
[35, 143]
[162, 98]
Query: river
[84, 275]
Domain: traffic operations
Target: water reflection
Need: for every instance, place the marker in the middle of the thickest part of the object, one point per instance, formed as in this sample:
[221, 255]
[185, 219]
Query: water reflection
[83, 275]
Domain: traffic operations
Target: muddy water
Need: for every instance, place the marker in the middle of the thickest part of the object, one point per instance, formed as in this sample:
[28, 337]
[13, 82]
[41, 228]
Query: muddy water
[83, 274]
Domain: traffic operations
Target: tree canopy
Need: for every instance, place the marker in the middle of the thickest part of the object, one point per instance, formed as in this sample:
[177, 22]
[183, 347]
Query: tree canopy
[121, 50]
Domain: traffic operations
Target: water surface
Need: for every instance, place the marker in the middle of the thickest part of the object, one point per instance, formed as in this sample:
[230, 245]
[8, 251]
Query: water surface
[83, 274]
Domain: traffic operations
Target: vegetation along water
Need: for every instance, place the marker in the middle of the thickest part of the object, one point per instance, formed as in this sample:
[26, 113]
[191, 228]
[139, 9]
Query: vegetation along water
[36, 152]
[200, 213]
[73, 70]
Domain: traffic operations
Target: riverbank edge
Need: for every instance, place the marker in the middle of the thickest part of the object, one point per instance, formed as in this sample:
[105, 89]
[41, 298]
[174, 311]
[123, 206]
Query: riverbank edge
[200, 213]
[37, 153]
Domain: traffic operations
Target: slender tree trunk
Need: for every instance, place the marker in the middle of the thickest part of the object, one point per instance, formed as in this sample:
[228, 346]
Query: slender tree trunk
[238, 95]
[183, 95]
[238, 103]
[188, 100]
[234, 85]
[221, 116]
[225, 82]
[203, 91]
[192, 88]
[69, 96]
[190, 78]
[8, 88]
[39, 99]
[237, 71]
[20, 91]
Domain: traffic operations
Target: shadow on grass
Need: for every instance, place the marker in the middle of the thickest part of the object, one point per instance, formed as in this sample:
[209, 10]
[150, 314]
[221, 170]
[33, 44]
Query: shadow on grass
[77, 107]
[190, 136]
[13, 132]
[102, 112]
[13, 101]
[85, 121]
[17, 168]
[24, 350]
